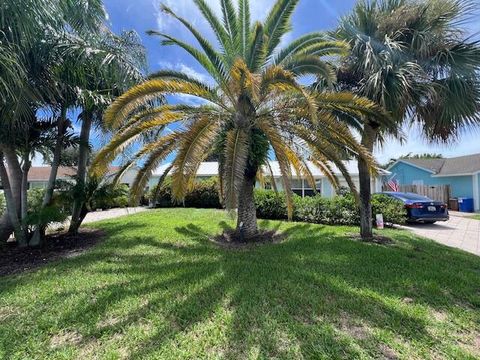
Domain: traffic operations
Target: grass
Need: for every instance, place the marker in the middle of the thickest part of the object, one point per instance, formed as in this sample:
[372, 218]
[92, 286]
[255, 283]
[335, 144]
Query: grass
[157, 288]
[476, 217]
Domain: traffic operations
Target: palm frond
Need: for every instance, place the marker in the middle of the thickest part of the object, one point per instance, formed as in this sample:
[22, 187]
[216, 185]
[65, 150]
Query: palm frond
[257, 52]
[278, 22]
[222, 35]
[236, 154]
[108, 153]
[192, 150]
[243, 26]
[157, 152]
[140, 94]
[230, 19]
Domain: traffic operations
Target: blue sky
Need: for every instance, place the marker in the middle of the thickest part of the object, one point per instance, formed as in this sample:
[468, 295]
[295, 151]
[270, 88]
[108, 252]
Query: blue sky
[311, 15]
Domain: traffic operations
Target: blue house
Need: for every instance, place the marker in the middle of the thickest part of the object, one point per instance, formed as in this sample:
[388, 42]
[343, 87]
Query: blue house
[461, 173]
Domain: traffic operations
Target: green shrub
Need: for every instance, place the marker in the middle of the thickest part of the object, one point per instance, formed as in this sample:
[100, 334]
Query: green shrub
[3, 205]
[270, 205]
[111, 196]
[339, 210]
[46, 216]
[204, 194]
[393, 210]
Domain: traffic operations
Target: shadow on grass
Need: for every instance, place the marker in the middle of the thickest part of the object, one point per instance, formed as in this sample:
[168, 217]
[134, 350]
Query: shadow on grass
[317, 294]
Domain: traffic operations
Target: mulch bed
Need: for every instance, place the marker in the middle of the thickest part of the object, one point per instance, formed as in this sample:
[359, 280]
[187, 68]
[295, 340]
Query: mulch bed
[377, 239]
[14, 260]
[229, 239]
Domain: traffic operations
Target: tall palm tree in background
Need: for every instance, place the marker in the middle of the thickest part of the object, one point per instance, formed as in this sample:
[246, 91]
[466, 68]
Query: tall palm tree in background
[416, 61]
[120, 63]
[254, 104]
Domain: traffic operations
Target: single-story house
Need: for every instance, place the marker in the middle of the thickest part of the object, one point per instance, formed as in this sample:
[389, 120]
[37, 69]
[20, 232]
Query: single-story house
[299, 185]
[38, 175]
[460, 173]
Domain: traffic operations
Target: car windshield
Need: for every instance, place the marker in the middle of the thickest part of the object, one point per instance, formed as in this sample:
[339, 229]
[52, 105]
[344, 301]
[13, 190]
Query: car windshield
[413, 197]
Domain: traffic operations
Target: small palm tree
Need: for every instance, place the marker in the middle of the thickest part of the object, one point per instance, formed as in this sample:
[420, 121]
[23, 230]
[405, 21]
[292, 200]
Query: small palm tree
[255, 105]
[416, 61]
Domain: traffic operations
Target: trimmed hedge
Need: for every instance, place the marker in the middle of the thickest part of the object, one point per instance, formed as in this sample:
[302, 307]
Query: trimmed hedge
[204, 194]
[339, 210]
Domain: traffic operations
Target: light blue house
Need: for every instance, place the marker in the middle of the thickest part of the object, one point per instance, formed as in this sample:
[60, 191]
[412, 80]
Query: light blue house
[461, 173]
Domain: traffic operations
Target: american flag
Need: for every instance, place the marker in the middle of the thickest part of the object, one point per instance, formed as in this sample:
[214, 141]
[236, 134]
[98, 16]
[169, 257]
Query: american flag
[393, 184]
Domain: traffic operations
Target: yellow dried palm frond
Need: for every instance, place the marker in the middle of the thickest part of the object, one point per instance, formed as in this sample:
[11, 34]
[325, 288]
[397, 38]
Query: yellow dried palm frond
[137, 96]
[152, 113]
[277, 81]
[272, 177]
[236, 154]
[194, 147]
[242, 80]
[355, 106]
[156, 152]
[286, 158]
[321, 162]
[121, 140]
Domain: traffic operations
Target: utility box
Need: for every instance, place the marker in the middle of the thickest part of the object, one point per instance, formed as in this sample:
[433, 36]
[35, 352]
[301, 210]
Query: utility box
[453, 204]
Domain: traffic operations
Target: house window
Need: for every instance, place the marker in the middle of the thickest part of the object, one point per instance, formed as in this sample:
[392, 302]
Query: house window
[302, 188]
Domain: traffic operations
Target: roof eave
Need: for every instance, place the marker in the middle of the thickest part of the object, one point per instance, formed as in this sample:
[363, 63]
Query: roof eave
[409, 163]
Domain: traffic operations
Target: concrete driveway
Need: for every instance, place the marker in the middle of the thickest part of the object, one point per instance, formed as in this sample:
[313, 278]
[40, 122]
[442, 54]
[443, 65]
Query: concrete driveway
[460, 231]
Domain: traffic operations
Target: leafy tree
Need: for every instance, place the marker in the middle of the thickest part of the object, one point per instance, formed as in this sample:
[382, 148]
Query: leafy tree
[415, 59]
[254, 105]
[65, 57]
[411, 156]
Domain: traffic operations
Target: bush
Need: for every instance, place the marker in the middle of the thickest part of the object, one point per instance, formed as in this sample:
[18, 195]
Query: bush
[393, 210]
[270, 205]
[204, 194]
[340, 210]
[3, 205]
[109, 196]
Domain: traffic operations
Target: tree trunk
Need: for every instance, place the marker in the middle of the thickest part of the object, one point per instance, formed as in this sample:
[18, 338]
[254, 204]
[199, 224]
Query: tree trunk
[366, 220]
[84, 152]
[24, 193]
[39, 234]
[14, 178]
[247, 216]
[57, 154]
[12, 208]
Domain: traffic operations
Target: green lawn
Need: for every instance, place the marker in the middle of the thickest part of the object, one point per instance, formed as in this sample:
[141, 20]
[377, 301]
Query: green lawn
[476, 217]
[158, 288]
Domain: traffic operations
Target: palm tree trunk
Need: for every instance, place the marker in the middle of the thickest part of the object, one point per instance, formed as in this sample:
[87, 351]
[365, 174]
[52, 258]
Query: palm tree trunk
[15, 184]
[39, 234]
[12, 208]
[84, 152]
[366, 220]
[247, 216]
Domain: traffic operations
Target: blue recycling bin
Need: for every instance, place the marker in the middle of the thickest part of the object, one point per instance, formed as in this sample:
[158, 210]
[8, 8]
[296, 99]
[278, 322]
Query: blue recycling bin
[466, 205]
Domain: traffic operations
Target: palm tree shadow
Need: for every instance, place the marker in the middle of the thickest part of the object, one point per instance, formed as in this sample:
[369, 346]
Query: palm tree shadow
[307, 296]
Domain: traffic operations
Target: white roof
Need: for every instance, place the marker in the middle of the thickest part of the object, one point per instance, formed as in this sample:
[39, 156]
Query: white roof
[211, 169]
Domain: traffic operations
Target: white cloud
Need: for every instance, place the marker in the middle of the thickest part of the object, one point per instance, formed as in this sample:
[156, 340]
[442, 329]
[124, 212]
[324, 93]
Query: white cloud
[186, 70]
[187, 9]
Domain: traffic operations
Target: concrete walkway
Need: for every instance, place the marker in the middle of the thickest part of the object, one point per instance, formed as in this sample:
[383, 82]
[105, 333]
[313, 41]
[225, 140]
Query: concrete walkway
[460, 231]
[112, 214]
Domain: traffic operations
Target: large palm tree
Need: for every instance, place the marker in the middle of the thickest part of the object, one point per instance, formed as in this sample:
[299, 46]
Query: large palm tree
[255, 104]
[416, 61]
